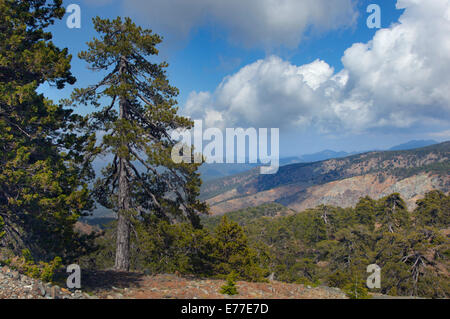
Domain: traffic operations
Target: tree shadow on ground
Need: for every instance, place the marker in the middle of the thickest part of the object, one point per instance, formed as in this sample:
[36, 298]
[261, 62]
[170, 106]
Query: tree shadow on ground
[94, 280]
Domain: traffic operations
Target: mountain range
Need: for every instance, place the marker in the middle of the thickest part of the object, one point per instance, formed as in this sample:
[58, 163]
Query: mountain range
[214, 171]
[310, 179]
[337, 181]
[412, 145]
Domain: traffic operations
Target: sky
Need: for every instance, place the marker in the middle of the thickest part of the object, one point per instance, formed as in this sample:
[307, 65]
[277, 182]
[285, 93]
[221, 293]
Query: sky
[312, 68]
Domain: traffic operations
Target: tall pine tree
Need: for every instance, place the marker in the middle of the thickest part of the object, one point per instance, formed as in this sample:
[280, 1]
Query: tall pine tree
[42, 190]
[137, 114]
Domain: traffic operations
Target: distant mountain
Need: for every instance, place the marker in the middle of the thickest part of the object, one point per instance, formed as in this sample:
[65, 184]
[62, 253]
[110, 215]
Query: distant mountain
[412, 145]
[214, 171]
[339, 182]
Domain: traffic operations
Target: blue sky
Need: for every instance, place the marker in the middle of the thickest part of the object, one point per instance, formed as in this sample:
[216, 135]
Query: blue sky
[216, 50]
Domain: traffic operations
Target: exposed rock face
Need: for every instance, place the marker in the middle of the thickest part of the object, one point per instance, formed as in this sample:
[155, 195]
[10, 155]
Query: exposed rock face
[347, 192]
[339, 182]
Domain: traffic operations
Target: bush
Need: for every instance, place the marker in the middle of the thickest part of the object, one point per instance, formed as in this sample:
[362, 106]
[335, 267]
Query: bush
[356, 290]
[26, 265]
[230, 287]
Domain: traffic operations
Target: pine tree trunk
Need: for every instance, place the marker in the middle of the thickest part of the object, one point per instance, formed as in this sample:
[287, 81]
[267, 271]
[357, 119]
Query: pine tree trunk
[122, 262]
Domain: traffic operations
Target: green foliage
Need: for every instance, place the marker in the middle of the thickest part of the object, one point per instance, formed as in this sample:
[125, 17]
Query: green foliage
[156, 247]
[246, 216]
[49, 269]
[26, 265]
[164, 248]
[392, 213]
[43, 175]
[365, 211]
[440, 168]
[26, 254]
[160, 247]
[433, 210]
[408, 258]
[338, 278]
[231, 252]
[357, 290]
[43, 270]
[333, 246]
[230, 287]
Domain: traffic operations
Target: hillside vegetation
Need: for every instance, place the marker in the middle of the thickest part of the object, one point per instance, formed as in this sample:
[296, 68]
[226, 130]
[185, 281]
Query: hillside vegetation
[411, 173]
[333, 245]
[325, 246]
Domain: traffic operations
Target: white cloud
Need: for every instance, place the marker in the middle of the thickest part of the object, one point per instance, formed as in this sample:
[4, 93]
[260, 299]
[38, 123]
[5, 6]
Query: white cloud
[400, 79]
[265, 92]
[268, 23]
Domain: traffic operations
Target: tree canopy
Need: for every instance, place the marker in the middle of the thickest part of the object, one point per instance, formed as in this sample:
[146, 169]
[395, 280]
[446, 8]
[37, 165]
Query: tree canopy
[43, 186]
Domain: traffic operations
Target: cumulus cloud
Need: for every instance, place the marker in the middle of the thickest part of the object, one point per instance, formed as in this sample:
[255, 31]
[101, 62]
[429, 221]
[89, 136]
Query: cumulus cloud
[268, 23]
[265, 92]
[401, 78]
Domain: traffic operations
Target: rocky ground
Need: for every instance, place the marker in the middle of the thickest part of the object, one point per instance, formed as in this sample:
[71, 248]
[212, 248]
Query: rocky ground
[173, 287]
[116, 285]
[16, 286]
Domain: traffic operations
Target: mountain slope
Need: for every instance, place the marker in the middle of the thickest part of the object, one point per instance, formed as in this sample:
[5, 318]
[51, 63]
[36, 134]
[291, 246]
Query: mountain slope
[213, 171]
[337, 181]
[322, 156]
[412, 145]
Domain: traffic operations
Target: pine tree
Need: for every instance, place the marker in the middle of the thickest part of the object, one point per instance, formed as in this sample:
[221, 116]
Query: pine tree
[137, 121]
[232, 253]
[433, 210]
[230, 286]
[365, 211]
[406, 257]
[42, 189]
[392, 213]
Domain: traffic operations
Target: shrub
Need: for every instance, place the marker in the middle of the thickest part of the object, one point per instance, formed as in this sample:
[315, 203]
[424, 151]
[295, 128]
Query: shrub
[356, 290]
[230, 287]
[42, 270]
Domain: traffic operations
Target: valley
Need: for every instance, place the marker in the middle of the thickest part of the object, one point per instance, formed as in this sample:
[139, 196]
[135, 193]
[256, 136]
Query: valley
[340, 181]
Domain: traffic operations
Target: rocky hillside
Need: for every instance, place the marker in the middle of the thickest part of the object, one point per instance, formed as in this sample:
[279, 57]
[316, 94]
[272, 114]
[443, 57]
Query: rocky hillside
[14, 285]
[340, 181]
